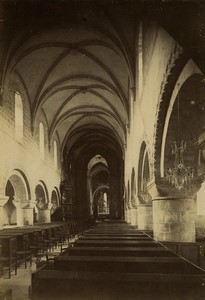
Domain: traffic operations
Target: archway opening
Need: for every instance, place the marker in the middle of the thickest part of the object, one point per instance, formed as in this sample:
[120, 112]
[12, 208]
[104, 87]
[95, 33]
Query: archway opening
[143, 175]
[54, 201]
[17, 191]
[101, 204]
[83, 176]
[40, 201]
[10, 217]
[133, 188]
[98, 186]
[186, 129]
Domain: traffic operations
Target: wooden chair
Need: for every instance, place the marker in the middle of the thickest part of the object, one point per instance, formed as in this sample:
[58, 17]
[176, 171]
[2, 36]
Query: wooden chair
[8, 259]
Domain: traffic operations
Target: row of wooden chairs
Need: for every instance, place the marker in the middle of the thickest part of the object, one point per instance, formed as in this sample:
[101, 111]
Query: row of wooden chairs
[20, 244]
[76, 229]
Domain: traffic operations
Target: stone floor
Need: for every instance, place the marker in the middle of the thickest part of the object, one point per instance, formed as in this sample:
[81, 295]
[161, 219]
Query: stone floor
[21, 283]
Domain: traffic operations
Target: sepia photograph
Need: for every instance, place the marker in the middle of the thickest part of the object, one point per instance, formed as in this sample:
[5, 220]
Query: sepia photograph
[102, 149]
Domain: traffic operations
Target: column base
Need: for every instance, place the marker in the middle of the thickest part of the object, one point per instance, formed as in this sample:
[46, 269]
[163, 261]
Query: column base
[44, 216]
[174, 219]
[128, 215]
[28, 216]
[145, 217]
[134, 219]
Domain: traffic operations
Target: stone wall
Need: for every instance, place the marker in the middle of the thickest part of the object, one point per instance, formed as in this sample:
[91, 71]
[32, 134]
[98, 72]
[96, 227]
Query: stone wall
[23, 158]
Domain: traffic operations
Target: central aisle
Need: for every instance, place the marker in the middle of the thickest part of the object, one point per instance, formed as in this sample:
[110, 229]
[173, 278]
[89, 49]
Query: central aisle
[114, 261]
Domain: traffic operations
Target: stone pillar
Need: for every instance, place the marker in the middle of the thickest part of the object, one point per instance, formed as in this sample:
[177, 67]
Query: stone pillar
[28, 213]
[145, 216]
[174, 219]
[174, 212]
[44, 214]
[134, 217]
[125, 214]
[3, 200]
[128, 215]
[19, 212]
[200, 226]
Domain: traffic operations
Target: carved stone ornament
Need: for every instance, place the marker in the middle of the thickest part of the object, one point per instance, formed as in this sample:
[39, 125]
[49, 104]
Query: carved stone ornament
[160, 188]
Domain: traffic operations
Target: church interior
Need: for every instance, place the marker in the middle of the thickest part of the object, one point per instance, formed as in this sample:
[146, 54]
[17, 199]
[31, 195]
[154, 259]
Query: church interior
[102, 153]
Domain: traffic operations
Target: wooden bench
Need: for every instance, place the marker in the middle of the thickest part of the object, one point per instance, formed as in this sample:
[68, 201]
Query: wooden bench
[56, 284]
[107, 237]
[119, 251]
[116, 243]
[161, 265]
[113, 234]
[118, 268]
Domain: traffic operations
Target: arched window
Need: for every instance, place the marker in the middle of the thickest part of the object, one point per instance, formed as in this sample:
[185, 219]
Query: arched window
[140, 59]
[128, 191]
[18, 118]
[133, 187]
[55, 154]
[41, 140]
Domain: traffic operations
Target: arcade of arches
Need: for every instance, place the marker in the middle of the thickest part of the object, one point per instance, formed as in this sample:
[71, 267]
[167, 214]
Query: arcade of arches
[102, 114]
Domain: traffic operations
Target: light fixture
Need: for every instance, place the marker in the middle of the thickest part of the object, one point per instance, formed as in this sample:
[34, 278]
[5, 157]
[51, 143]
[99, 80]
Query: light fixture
[180, 175]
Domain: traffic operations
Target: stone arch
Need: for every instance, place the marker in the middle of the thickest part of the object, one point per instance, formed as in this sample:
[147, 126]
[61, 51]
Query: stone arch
[41, 193]
[41, 140]
[97, 179]
[128, 192]
[143, 174]
[100, 208]
[42, 203]
[19, 111]
[184, 127]
[56, 208]
[19, 176]
[17, 190]
[58, 194]
[54, 200]
[133, 188]
[26, 182]
[183, 69]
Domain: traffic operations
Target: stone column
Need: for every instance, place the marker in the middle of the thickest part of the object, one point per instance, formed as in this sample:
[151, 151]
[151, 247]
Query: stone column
[125, 214]
[28, 213]
[174, 219]
[174, 211]
[133, 217]
[3, 200]
[19, 212]
[129, 215]
[44, 214]
[145, 216]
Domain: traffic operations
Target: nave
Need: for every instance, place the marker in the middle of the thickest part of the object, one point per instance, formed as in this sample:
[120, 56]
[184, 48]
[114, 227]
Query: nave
[102, 117]
[108, 260]
[114, 260]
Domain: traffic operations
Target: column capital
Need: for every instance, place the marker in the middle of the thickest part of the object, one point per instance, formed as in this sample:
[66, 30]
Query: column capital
[161, 188]
[134, 202]
[47, 206]
[3, 200]
[28, 204]
[50, 205]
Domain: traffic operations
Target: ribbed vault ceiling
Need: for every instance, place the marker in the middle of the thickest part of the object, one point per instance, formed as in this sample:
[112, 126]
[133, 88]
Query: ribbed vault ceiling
[78, 76]
[76, 59]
